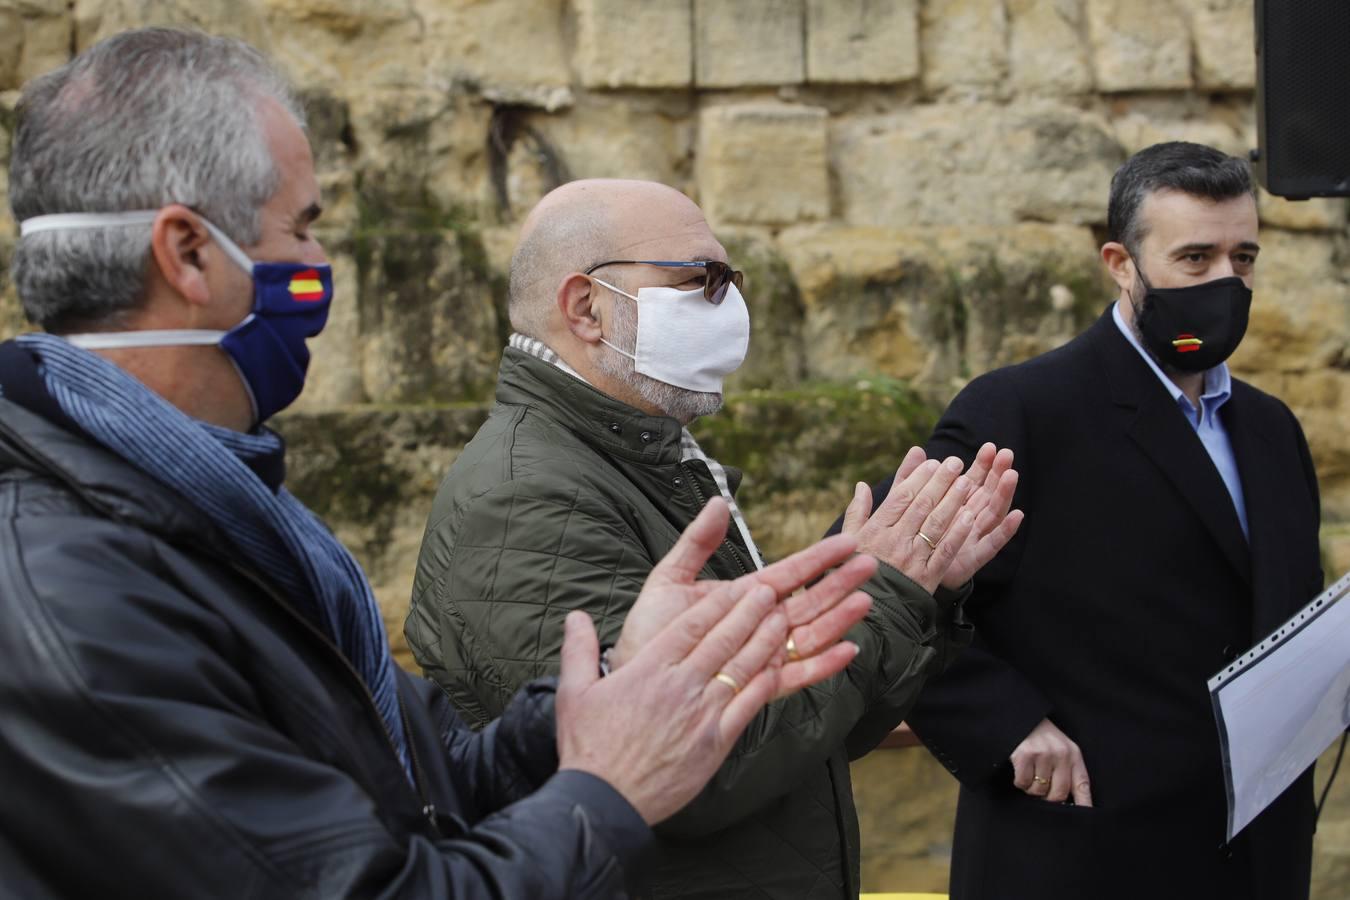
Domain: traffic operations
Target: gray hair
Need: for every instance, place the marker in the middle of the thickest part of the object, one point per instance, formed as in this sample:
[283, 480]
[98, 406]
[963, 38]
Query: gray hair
[141, 120]
[563, 240]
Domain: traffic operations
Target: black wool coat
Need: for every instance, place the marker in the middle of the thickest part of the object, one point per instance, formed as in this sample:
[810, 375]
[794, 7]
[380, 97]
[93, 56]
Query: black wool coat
[1129, 584]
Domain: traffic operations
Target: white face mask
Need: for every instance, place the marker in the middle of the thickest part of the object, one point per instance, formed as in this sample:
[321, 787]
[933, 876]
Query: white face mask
[684, 340]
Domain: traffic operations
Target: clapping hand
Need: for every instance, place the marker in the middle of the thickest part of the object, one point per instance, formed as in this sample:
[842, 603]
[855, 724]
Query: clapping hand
[697, 660]
[936, 525]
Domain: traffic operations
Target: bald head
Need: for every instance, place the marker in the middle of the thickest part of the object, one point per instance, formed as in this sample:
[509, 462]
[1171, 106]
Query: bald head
[586, 222]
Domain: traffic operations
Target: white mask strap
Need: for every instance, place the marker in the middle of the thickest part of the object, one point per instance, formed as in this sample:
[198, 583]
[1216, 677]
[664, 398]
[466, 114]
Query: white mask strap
[62, 221]
[117, 340]
[631, 356]
[615, 290]
[622, 294]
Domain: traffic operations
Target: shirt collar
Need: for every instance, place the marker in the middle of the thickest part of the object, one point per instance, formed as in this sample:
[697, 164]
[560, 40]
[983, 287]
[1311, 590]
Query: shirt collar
[1218, 381]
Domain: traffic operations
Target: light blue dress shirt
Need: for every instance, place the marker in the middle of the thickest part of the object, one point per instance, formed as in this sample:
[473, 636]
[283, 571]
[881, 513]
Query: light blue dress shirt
[1205, 420]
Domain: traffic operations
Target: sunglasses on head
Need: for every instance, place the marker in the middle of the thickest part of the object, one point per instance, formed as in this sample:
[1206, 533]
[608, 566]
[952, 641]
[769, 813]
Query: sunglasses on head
[717, 275]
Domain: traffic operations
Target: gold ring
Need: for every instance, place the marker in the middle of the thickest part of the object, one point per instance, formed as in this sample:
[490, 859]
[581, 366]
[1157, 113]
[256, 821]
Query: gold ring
[927, 540]
[728, 681]
[1039, 780]
[792, 653]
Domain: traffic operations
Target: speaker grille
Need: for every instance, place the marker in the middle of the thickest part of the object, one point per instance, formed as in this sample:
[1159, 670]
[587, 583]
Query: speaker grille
[1303, 96]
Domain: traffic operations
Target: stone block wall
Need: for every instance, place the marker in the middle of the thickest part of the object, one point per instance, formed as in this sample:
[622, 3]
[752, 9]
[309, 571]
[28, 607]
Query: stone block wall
[916, 189]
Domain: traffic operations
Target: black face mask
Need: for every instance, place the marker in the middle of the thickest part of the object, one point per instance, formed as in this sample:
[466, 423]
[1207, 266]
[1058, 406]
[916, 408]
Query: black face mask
[1193, 328]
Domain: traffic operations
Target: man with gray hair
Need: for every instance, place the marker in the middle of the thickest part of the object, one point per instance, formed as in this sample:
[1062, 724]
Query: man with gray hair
[628, 317]
[199, 697]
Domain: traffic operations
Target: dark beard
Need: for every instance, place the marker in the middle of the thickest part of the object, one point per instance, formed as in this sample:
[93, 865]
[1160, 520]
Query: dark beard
[1142, 310]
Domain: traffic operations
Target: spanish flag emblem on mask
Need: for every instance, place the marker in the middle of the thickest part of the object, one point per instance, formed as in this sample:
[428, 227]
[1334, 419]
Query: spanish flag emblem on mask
[306, 286]
[1187, 343]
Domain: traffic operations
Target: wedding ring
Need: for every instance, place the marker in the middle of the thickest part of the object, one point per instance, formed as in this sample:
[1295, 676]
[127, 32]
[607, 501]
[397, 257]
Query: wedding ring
[792, 653]
[728, 681]
[1039, 780]
[927, 540]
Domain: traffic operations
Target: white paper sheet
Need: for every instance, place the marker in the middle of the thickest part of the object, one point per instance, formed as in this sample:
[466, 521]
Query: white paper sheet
[1283, 702]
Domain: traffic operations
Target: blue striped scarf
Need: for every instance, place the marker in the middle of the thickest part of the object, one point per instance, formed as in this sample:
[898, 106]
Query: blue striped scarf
[274, 532]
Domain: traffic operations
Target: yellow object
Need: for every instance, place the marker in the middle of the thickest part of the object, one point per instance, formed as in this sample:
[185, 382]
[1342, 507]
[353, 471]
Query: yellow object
[903, 897]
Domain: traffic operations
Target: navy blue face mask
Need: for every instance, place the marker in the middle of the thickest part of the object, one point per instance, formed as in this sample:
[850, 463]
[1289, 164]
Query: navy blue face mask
[290, 305]
[1194, 328]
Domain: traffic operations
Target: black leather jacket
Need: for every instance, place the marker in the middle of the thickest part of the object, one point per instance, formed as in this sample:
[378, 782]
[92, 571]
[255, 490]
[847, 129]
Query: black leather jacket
[170, 727]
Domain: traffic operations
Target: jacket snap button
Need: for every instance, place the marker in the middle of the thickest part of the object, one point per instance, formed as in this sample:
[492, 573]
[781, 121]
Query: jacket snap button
[677, 481]
[646, 437]
[614, 427]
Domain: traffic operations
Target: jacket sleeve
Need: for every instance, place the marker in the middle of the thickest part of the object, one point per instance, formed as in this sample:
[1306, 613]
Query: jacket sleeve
[508, 569]
[140, 744]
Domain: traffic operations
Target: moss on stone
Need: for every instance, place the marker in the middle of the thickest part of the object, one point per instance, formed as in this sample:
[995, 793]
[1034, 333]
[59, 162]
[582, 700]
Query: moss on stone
[818, 435]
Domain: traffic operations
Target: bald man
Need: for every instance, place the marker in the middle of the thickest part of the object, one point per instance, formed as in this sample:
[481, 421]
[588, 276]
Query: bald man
[627, 317]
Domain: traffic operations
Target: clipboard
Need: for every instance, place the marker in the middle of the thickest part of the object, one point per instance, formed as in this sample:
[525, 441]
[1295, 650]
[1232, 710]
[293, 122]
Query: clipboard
[1282, 703]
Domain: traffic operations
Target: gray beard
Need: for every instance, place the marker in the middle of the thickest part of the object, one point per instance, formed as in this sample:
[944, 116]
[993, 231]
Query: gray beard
[681, 404]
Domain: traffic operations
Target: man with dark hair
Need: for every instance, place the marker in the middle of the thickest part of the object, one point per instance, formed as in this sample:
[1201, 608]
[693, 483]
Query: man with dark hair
[198, 694]
[1172, 517]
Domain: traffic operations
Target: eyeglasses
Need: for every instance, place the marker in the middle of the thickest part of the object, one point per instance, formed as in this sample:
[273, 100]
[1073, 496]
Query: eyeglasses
[716, 278]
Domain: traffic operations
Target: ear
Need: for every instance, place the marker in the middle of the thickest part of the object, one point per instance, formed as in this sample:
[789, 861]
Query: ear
[176, 237]
[575, 299]
[1119, 265]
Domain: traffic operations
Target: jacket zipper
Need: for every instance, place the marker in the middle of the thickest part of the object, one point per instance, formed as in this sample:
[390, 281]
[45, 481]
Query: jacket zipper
[702, 502]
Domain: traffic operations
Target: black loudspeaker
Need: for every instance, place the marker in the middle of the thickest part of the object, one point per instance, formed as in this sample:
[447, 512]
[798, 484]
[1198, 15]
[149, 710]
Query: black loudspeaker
[1303, 97]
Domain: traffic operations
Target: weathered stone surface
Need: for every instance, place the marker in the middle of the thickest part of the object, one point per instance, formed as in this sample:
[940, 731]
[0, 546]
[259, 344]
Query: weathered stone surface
[1336, 554]
[1300, 318]
[1136, 130]
[512, 53]
[624, 44]
[1225, 40]
[45, 28]
[604, 137]
[1139, 46]
[432, 320]
[977, 163]
[1315, 214]
[777, 356]
[938, 306]
[8, 100]
[750, 42]
[906, 811]
[861, 41]
[1046, 53]
[965, 42]
[324, 44]
[421, 154]
[11, 46]
[95, 20]
[763, 163]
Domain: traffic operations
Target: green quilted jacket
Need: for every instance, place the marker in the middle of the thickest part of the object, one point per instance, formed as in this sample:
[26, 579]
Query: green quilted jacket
[564, 500]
